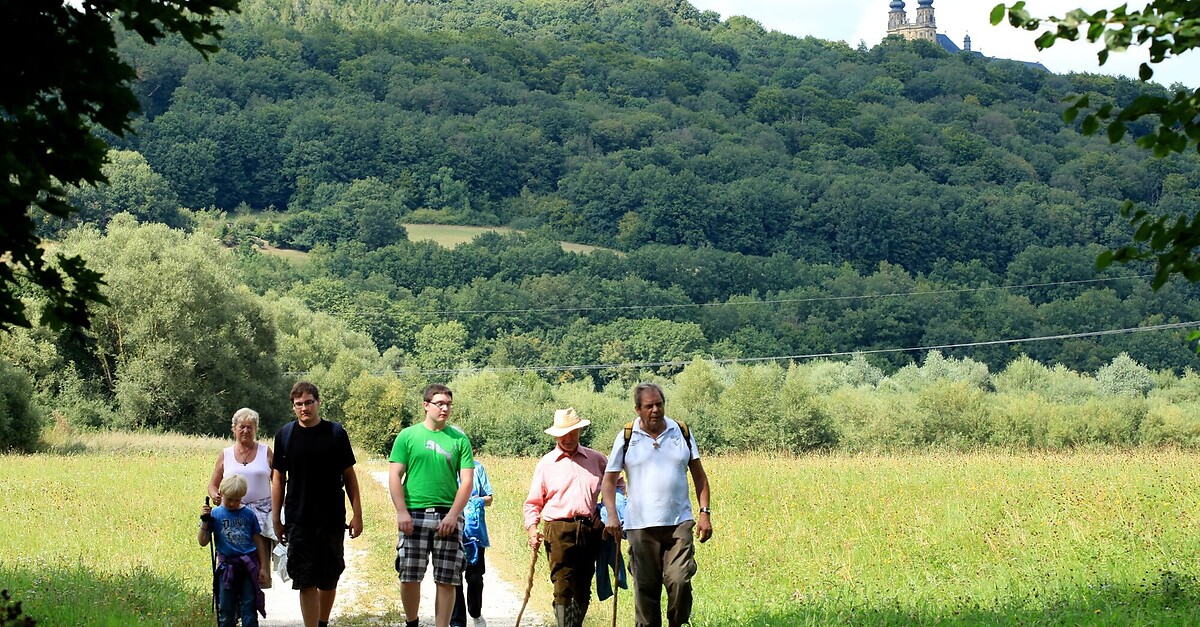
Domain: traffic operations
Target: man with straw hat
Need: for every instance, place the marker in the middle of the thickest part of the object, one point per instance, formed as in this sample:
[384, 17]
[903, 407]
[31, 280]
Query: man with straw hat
[563, 496]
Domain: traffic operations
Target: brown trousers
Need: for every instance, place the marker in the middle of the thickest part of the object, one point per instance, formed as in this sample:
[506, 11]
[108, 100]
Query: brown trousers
[661, 556]
[571, 549]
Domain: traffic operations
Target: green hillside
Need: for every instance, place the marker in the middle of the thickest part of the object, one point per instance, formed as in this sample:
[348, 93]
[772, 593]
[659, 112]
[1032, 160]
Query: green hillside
[756, 197]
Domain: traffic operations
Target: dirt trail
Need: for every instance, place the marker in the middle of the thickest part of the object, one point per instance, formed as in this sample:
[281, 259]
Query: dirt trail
[501, 601]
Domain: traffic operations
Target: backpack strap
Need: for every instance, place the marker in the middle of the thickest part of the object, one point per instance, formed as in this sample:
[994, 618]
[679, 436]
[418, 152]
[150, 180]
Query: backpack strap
[687, 434]
[286, 434]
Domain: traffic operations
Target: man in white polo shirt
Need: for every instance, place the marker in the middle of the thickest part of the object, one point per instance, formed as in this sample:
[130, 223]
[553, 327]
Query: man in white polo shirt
[656, 455]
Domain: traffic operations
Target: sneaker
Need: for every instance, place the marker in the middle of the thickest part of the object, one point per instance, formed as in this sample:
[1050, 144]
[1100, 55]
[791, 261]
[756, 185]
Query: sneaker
[479, 622]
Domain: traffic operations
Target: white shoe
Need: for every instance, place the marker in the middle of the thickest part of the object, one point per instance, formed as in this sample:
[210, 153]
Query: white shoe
[479, 622]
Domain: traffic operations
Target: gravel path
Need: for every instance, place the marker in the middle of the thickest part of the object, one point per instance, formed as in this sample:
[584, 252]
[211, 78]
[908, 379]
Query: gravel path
[501, 601]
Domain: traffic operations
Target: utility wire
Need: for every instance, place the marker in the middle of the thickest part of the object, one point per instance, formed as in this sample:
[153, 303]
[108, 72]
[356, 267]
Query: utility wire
[809, 356]
[814, 299]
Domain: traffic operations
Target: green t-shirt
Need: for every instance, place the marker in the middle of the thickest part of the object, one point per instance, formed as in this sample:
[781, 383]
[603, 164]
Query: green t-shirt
[432, 460]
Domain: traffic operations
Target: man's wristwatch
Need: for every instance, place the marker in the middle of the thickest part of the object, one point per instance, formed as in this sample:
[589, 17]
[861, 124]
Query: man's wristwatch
[705, 510]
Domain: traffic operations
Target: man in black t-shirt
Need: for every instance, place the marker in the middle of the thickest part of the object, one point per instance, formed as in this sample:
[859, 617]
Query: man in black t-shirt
[313, 461]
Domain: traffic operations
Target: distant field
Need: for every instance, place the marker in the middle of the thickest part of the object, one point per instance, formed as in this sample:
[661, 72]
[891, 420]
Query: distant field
[451, 236]
[104, 533]
[444, 235]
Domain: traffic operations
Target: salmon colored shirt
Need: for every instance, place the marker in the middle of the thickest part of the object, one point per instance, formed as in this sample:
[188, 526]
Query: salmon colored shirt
[565, 486]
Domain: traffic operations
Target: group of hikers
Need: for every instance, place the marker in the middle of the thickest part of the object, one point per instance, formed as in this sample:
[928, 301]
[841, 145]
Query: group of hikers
[578, 510]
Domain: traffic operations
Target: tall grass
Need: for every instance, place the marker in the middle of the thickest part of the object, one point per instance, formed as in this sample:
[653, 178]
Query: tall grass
[107, 536]
[102, 532]
[932, 539]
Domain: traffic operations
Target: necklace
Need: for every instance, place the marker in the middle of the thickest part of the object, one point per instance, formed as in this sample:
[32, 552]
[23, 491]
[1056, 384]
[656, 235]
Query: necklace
[249, 455]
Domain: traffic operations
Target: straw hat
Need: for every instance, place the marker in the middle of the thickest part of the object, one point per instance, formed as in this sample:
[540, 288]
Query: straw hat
[566, 421]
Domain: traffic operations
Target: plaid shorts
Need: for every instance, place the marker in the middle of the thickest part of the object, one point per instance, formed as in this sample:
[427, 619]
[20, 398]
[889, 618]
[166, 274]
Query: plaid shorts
[413, 551]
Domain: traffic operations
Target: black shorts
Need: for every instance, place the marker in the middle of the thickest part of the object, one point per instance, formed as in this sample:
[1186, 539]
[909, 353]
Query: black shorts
[315, 558]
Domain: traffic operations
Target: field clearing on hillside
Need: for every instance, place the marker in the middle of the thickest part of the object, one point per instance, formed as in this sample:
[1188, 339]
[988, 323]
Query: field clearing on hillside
[450, 236]
[105, 534]
[445, 235]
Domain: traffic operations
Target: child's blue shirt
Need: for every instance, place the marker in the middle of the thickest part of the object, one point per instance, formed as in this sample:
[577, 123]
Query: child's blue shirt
[234, 531]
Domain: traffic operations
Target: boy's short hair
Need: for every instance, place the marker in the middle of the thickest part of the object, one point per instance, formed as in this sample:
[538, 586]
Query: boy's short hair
[433, 389]
[233, 487]
[304, 387]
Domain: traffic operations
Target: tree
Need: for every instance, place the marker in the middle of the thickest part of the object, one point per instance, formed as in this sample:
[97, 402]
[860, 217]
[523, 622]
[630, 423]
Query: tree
[133, 187]
[181, 341]
[52, 103]
[1171, 27]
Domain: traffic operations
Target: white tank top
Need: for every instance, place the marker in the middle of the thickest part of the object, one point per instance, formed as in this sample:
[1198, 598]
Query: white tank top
[257, 473]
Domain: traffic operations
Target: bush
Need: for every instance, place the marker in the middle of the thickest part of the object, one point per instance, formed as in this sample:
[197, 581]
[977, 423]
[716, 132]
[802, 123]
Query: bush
[20, 420]
[804, 423]
[1096, 422]
[504, 413]
[953, 414]
[1022, 374]
[1124, 377]
[865, 420]
[1177, 425]
[1020, 419]
[376, 409]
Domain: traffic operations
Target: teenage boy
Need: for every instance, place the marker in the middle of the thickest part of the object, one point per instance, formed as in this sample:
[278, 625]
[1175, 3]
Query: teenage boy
[430, 479]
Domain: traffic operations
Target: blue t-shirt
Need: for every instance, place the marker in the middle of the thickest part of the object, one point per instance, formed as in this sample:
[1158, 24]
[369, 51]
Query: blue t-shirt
[234, 531]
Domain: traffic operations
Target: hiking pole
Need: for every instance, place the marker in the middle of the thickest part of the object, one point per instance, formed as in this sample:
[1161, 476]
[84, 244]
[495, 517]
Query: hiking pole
[212, 553]
[616, 575]
[528, 585]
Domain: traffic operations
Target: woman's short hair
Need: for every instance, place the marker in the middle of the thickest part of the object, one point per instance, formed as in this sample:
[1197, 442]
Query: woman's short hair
[233, 487]
[245, 414]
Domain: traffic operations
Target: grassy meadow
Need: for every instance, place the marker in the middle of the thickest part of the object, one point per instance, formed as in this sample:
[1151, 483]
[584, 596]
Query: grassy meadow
[101, 531]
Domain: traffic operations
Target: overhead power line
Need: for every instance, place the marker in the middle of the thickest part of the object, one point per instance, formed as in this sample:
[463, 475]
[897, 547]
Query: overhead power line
[809, 356]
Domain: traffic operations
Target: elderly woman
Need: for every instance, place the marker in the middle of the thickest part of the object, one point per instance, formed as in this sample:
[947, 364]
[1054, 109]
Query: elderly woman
[252, 460]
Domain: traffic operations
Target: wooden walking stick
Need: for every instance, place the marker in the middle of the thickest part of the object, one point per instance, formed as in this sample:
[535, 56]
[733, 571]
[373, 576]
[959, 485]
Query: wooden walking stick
[528, 585]
[616, 575]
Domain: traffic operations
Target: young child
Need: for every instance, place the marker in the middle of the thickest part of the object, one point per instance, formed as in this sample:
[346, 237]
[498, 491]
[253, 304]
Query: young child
[241, 556]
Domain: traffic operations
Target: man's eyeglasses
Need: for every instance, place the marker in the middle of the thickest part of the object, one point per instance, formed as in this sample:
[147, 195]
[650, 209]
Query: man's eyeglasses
[302, 404]
[441, 404]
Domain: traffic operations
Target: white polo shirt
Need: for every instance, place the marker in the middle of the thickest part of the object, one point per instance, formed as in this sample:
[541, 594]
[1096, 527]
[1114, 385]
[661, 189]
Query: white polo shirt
[657, 476]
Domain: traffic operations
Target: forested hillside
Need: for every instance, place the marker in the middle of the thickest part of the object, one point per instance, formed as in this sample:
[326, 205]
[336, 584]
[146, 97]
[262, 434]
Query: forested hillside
[628, 123]
[768, 196]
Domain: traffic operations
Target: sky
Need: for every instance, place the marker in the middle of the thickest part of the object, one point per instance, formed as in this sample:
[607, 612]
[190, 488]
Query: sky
[853, 21]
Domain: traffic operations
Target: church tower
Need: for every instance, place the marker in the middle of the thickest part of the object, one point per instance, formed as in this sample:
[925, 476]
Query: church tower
[897, 19]
[925, 14]
[925, 27]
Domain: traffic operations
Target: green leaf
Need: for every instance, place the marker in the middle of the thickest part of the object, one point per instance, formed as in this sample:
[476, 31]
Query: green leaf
[997, 13]
[1116, 131]
[1090, 125]
[1144, 72]
[1045, 40]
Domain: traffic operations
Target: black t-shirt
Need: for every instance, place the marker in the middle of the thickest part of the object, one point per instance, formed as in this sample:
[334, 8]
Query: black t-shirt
[314, 460]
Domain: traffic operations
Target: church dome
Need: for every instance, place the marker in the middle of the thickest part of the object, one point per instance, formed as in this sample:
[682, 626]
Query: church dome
[925, 3]
[897, 5]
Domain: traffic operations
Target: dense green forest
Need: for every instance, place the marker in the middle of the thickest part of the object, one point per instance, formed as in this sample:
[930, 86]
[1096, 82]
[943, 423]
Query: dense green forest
[761, 197]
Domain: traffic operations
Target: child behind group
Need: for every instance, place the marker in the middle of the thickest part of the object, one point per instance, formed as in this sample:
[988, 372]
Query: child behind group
[241, 558]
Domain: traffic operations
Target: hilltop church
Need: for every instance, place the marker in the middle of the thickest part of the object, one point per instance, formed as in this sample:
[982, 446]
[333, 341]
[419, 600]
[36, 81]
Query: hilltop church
[925, 27]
